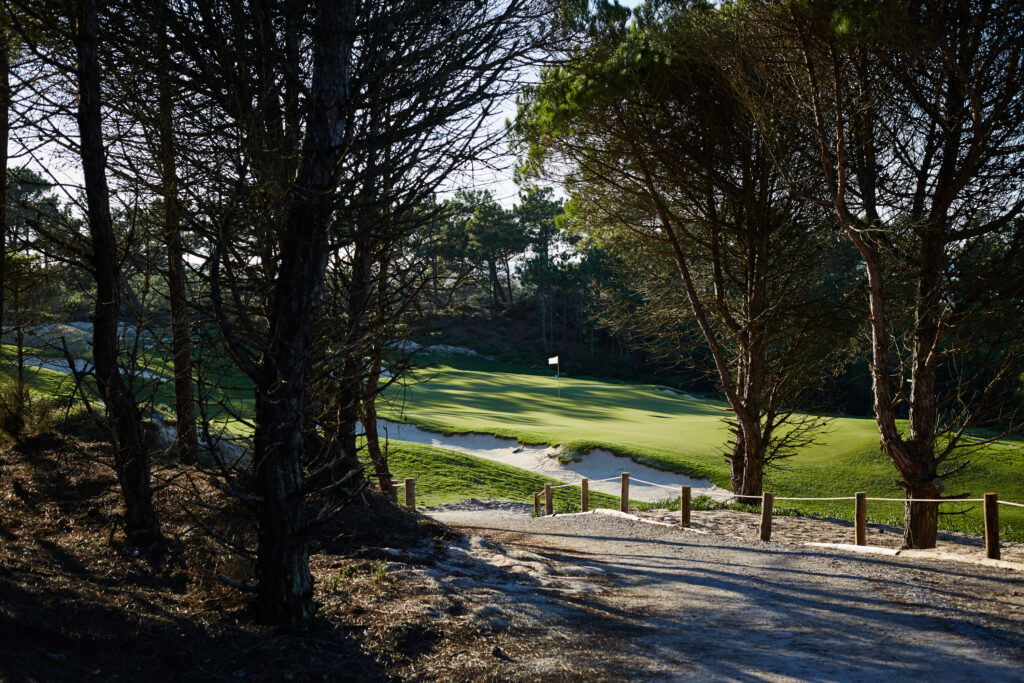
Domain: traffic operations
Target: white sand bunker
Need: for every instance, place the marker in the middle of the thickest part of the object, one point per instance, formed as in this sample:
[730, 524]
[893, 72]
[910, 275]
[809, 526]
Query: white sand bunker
[597, 464]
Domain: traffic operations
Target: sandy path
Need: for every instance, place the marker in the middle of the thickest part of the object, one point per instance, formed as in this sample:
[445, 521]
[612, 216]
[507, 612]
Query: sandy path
[691, 606]
[595, 465]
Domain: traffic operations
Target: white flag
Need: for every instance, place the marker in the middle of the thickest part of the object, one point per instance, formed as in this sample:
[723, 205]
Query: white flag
[553, 360]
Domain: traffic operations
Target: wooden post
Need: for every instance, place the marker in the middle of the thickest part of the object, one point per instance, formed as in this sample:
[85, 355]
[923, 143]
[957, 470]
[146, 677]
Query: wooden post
[992, 526]
[585, 494]
[767, 501]
[549, 508]
[410, 493]
[624, 494]
[684, 506]
[860, 523]
[536, 504]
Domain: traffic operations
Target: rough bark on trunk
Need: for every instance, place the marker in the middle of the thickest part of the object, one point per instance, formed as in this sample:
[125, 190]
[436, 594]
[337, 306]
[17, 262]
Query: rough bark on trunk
[131, 459]
[921, 520]
[285, 593]
[5, 129]
[181, 327]
[913, 458]
[920, 528]
[736, 465]
[753, 472]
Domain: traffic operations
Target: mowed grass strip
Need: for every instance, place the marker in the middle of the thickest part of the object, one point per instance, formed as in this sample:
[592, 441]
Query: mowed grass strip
[687, 434]
[444, 476]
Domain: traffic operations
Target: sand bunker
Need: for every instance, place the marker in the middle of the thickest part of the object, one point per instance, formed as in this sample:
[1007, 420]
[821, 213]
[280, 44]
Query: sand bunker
[597, 464]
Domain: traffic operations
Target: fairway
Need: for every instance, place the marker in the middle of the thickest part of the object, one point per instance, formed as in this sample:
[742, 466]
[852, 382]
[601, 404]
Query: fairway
[687, 435]
[666, 430]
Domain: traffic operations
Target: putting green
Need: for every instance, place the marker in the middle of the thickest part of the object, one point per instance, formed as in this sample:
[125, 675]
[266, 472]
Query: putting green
[685, 434]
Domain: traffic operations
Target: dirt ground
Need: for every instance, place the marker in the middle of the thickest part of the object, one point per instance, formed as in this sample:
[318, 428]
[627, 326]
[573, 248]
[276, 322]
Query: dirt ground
[78, 604]
[513, 598]
[654, 602]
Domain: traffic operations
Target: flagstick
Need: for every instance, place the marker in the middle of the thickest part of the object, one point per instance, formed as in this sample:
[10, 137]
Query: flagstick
[558, 373]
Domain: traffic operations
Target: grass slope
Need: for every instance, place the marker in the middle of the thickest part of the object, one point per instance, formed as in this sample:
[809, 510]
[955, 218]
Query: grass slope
[444, 476]
[668, 431]
[684, 434]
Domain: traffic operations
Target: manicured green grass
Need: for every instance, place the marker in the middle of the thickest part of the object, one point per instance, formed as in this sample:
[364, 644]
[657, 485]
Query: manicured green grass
[668, 431]
[687, 435]
[444, 476]
[9, 352]
[40, 381]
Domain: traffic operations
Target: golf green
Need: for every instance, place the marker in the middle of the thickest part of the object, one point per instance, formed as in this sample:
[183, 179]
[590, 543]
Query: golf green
[687, 434]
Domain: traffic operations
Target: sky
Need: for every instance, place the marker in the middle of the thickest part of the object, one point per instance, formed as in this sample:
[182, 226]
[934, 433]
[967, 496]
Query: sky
[496, 177]
[499, 181]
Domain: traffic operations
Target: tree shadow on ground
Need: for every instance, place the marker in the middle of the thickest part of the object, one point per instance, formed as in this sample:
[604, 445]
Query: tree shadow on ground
[762, 612]
[82, 635]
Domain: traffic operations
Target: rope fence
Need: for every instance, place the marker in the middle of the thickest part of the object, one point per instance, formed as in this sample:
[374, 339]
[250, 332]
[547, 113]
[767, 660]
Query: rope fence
[767, 499]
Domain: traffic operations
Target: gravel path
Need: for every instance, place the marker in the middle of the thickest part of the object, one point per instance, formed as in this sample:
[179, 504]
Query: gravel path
[684, 605]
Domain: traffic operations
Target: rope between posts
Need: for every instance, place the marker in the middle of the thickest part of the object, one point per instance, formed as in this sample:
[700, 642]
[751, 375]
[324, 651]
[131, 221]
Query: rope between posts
[651, 483]
[929, 500]
[726, 494]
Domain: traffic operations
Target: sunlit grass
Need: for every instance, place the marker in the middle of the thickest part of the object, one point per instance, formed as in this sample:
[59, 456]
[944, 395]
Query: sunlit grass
[687, 435]
[444, 476]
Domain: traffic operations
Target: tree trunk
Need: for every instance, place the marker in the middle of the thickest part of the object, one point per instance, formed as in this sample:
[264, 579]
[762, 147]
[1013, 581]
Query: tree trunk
[508, 281]
[21, 405]
[753, 472]
[433, 277]
[20, 341]
[736, 465]
[544, 324]
[285, 593]
[564, 317]
[497, 293]
[743, 391]
[378, 457]
[369, 418]
[913, 458]
[921, 520]
[131, 459]
[181, 327]
[5, 130]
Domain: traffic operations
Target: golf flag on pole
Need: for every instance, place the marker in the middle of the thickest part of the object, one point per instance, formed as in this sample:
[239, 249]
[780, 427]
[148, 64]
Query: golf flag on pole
[553, 360]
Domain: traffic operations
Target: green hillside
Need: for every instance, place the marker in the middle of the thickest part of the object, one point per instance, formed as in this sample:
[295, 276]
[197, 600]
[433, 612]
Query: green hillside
[686, 434]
